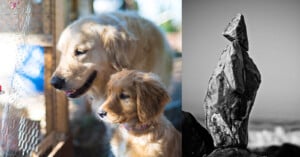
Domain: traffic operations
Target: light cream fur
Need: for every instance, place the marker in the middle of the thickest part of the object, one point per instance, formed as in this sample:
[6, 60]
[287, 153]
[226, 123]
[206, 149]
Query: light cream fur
[135, 101]
[112, 41]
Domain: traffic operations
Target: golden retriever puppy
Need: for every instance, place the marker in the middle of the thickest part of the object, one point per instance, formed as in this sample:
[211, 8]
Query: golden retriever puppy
[136, 100]
[93, 48]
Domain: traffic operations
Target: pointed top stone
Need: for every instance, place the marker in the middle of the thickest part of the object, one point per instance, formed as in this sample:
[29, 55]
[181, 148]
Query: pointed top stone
[236, 30]
[231, 92]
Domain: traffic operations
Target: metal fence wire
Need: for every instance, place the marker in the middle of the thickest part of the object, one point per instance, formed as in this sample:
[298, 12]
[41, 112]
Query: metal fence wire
[19, 135]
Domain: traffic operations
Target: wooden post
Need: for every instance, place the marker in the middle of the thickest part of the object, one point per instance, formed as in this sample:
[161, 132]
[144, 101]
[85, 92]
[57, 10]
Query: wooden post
[61, 102]
[56, 103]
[57, 140]
[49, 91]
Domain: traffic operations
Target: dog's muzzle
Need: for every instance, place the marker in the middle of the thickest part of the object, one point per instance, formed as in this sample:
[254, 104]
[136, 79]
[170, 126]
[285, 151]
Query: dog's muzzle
[57, 82]
[61, 84]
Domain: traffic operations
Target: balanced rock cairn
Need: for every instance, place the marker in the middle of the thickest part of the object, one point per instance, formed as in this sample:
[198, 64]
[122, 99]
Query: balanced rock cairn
[232, 89]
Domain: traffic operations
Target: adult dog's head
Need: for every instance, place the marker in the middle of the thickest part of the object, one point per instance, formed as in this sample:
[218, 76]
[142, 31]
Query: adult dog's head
[88, 55]
[133, 97]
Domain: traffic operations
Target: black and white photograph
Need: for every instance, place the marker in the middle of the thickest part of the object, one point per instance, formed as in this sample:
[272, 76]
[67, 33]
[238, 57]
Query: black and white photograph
[241, 74]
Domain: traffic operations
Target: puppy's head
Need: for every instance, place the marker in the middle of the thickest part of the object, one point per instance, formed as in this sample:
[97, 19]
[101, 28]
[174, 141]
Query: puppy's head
[133, 96]
[90, 52]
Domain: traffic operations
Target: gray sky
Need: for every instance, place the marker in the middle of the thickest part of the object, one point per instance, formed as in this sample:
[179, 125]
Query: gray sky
[274, 45]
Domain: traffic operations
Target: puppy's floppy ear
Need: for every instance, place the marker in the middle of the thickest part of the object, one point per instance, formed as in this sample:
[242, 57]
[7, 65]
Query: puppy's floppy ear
[116, 41]
[151, 97]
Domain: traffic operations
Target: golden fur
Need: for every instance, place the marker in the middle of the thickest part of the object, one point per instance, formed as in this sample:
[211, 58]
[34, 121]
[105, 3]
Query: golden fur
[136, 100]
[108, 43]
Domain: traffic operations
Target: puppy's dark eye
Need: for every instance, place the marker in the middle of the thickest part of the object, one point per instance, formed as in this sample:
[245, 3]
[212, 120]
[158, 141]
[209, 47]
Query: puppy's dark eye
[124, 96]
[80, 52]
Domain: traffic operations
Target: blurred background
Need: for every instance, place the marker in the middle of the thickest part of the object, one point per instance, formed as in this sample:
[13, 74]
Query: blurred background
[273, 34]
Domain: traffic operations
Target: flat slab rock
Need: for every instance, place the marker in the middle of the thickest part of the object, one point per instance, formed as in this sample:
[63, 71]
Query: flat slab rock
[232, 90]
[232, 152]
[196, 141]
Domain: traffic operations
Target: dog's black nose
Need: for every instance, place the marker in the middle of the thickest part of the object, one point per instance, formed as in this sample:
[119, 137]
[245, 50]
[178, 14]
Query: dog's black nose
[102, 114]
[57, 82]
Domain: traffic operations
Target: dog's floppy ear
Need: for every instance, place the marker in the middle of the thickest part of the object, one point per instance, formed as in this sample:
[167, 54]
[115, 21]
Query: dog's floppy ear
[116, 41]
[151, 97]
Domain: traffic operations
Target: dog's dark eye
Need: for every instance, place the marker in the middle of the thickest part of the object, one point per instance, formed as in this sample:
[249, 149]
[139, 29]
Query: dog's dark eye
[124, 96]
[80, 52]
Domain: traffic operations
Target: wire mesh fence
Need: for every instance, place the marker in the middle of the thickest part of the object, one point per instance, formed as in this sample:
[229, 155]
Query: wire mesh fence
[19, 134]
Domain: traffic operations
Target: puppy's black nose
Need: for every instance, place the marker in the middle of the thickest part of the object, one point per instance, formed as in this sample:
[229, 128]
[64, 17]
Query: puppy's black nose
[57, 82]
[102, 114]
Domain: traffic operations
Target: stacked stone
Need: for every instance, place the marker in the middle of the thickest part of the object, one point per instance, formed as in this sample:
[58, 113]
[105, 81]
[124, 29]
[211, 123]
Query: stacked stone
[232, 90]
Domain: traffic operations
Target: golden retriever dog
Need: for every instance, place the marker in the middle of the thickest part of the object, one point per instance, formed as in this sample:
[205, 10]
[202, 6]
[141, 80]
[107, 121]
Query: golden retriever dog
[135, 101]
[93, 48]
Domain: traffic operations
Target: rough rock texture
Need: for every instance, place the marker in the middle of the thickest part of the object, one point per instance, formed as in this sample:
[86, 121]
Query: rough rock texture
[232, 152]
[196, 141]
[232, 89]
